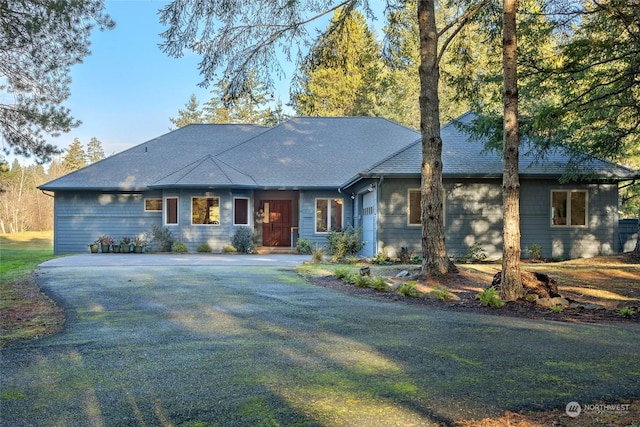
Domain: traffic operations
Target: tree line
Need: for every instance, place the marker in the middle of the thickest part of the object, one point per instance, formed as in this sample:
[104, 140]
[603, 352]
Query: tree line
[25, 208]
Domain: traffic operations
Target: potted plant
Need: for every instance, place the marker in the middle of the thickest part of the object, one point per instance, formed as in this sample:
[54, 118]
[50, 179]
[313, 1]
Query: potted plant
[125, 245]
[138, 245]
[93, 247]
[105, 243]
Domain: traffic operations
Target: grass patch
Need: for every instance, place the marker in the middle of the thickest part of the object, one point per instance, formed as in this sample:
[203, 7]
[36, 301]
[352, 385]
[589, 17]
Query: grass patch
[26, 312]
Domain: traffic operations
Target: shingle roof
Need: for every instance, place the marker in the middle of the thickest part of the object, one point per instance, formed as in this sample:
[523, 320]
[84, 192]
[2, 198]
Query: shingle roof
[464, 157]
[300, 153]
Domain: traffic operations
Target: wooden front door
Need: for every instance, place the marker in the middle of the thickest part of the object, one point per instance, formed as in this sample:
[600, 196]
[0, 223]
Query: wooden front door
[276, 227]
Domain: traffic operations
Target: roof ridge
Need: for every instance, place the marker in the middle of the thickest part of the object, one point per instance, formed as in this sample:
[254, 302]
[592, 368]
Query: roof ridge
[194, 165]
[394, 154]
[216, 160]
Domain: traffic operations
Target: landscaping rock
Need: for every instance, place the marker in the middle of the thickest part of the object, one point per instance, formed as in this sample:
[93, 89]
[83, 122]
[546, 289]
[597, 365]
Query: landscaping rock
[403, 274]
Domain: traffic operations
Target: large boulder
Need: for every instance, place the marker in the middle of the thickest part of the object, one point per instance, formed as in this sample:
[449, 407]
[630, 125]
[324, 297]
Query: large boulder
[534, 283]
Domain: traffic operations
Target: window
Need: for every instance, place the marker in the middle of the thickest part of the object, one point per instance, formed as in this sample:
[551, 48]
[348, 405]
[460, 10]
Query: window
[415, 214]
[205, 210]
[240, 211]
[414, 210]
[328, 215]
[171, 215]
[151, 205]
[569, 208]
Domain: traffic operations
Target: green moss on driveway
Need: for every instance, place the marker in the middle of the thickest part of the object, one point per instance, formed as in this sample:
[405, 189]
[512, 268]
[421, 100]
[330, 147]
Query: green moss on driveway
[200, 345]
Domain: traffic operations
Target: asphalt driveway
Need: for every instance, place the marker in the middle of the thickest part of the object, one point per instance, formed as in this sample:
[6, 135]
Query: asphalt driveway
[183, 343]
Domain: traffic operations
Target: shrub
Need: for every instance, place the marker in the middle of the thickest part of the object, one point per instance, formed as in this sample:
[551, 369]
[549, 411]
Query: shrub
[557, 308]
[317, 253]
[474, 253]
[405, 255]
[490, 297]
[344, 243]
[361, 281]
[228, 249]
[378, 283]
[204, 247]
[442, 294]
[409, 290]
[179, 247]
[161, 237]
[535, 251]
[382, 257]
[243, 240]
[303, 246]
[626, 312]
[341, 273]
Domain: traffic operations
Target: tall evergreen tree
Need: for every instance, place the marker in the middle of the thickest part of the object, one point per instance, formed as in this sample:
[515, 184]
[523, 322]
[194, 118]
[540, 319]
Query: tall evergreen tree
[75, 158]
[95, 152]
[191, 114]
[39, 42]
[342, 73]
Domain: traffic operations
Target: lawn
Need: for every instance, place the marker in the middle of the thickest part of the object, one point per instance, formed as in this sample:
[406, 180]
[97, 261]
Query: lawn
[26, 313]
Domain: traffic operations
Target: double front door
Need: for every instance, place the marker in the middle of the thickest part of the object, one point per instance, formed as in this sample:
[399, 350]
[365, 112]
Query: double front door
[276, 223]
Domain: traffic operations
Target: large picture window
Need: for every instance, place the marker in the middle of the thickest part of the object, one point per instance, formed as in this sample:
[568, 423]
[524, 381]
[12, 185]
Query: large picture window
[328, 215]
[171, 214]
[205, 210]
[241, 211]
[569, 208]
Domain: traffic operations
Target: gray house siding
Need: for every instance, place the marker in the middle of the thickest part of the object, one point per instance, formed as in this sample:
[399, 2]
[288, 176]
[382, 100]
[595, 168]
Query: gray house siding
[628, 232]
[307, 203]
[473, 216]
[80, 217]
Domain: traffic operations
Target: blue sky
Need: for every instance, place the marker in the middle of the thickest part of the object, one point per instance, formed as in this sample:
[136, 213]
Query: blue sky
[127, 89]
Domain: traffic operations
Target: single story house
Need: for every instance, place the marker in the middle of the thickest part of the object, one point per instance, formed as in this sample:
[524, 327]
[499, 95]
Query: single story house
[307, 176]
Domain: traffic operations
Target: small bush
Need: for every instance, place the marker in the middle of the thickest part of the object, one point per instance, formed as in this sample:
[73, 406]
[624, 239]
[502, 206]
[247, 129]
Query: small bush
[557, 308]
[179, 247]
[405, 255]
[204, 247]
[341, 273]
[344, 243]
[490, 297]
[474, 254]
[535, 251]
[361, 281]
[243, 240]
[228, 249]
[442, 294]
[626, 312]
[382, 257]
[303, 246]
[378, 283]
[409, 290]
[317, 253]
[161, 237]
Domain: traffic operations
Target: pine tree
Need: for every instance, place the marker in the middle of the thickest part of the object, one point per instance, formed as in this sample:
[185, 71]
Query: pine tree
[94, 150]
[191, 114]
[75, 158]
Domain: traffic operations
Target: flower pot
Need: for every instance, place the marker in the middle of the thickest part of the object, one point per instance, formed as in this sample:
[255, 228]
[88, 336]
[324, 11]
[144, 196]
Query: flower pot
[125, 249]
[116, 249]
[93, 248]
[105, 248]
[138, 249]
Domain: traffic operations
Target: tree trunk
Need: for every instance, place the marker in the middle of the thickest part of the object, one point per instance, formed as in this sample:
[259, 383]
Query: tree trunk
[511, 281]
[434, 253]
[637, 248]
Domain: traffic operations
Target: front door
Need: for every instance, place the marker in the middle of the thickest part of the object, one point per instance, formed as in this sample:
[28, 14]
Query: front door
[276, 226]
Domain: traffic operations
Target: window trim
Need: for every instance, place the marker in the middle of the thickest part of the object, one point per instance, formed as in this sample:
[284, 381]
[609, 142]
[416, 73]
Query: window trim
[166, 210]
[569, 194]
[248, 199]
[315, 214]
[153, 198]
[219, 211]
